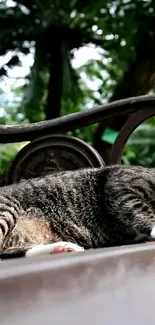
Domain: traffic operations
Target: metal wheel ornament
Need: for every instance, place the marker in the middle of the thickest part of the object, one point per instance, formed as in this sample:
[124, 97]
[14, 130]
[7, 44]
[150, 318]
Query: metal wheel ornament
[52, 154]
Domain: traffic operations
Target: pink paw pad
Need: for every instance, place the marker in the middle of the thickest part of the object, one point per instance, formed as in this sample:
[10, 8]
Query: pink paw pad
[62, 249]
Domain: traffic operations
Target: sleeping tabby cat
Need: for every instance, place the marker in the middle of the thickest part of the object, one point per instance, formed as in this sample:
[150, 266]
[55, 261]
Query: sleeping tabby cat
[90, 208]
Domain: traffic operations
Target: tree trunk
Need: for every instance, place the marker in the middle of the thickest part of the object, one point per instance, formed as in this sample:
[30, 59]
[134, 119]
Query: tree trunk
[138, 80]
[53, 106]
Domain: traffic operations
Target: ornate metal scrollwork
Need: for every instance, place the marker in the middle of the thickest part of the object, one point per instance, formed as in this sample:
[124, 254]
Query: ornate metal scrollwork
[52, 154]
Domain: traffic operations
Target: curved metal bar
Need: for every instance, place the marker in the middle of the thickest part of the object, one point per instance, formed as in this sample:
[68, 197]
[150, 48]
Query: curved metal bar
[131, 124]
[27, 132]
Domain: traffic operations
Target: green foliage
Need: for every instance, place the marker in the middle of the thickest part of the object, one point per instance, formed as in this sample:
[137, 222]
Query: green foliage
[114, 27]
[76, 23]
[140, 149]
[86, 134]
[7, 153]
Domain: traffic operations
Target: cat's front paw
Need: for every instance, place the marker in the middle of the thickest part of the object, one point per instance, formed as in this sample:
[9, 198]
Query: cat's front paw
[58, 247]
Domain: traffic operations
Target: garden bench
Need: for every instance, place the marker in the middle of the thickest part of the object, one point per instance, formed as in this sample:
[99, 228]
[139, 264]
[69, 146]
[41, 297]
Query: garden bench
[103, 286]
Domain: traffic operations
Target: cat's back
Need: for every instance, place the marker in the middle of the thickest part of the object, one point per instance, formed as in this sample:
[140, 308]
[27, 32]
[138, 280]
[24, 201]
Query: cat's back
[81, 183]
[125, 173]
[121, 178]
[85, 179]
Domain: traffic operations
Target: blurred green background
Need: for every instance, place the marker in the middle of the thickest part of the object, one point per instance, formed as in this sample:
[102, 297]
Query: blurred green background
[59, 57]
